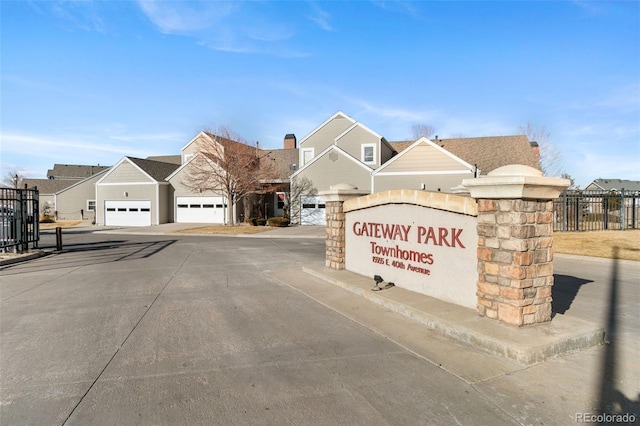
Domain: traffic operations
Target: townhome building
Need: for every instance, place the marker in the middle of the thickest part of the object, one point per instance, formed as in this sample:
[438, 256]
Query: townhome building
[344, 151]
[341, 150]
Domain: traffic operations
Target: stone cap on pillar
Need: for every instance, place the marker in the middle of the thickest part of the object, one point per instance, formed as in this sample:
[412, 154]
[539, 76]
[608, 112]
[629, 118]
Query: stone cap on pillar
[516, 181]
[341, 192]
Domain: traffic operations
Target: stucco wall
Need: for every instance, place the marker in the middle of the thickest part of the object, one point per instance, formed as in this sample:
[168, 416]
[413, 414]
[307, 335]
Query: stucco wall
[424, 242]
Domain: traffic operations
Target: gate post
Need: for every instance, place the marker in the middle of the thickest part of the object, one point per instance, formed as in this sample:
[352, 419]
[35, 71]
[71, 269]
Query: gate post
[334, 200]
[515, 253]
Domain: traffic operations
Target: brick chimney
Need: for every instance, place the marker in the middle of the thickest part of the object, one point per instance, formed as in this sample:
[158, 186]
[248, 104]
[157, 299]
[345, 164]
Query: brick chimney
[536, 150]
[290, 141]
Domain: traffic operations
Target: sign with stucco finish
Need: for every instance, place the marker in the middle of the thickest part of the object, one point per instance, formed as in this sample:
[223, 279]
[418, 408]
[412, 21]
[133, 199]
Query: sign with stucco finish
[422, 249]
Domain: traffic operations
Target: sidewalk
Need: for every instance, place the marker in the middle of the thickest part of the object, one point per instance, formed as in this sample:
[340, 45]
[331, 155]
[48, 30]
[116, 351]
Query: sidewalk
[526, 345]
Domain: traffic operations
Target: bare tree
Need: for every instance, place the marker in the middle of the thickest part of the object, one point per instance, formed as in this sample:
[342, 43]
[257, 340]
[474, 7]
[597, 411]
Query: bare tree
[293, 199]
[550, 156]
[422, 130]
[226, 164]
[12, 179]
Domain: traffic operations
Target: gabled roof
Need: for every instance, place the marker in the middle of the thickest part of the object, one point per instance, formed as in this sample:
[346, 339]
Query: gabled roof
[157, 170]
[283, 160]
[616, 184]
[337, 114]
[488, 153]
[173, 159]
[48, 186]
[74, 171]
[340, 151]
[353, 126]
[423, 141]
[80, 182]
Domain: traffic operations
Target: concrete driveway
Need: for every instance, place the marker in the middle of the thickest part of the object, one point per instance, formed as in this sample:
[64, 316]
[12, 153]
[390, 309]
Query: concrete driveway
[162, 329]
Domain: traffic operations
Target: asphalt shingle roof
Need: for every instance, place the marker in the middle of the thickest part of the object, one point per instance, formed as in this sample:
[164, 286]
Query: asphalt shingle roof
[488, 153]
[48, 186]
[74, 171]
[173, 159]
[617, 184]
[158, 170]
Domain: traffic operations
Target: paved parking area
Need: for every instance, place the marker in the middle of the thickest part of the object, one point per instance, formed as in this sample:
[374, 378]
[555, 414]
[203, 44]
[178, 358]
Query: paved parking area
[165, 329]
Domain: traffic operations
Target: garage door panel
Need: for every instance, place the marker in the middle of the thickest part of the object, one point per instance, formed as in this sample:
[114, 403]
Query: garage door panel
[312, 211]
[200, 210]
[127, 213]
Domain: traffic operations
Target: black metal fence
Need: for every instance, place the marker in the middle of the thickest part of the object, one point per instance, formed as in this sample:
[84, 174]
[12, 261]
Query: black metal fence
[19, 211]
[577, 210]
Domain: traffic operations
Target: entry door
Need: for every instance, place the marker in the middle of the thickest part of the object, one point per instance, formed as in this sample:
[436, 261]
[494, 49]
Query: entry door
[127, 213]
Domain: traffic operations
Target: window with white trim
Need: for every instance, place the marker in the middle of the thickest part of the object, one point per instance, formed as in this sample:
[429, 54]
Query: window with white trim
[368, 153]
[91, 205]
[306, 155]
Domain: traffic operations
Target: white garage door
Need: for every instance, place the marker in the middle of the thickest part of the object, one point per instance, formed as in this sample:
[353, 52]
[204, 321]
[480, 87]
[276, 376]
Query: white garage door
[312, 211]
[127, 213]
[200, 209]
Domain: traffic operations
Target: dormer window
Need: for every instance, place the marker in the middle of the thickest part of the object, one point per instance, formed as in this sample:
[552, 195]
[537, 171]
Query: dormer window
[368, 153]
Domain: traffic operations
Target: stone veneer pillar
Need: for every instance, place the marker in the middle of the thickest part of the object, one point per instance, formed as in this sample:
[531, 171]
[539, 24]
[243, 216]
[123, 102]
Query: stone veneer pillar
[335, 218]
[515, 243]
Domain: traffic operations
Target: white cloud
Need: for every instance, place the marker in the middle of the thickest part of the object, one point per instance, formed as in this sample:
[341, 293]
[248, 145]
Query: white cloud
[320, 17]
[185, 17]
[224, 26]
[44, 146]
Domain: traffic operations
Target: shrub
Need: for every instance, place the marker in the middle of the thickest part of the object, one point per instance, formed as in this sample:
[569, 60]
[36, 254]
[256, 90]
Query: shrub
[260, 221]
[280, 222]
[47, 219]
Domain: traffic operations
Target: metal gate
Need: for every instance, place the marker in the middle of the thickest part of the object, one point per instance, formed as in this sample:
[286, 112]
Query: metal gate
[19, 211]
[578, 210]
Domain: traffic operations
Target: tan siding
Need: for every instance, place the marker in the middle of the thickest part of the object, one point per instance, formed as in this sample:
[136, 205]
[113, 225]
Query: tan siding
[352, 143]
[424, 158]
[432, 182]
[70, 201]
[327, 134]
[324, 173]
[199, 144]
[116, 192]
[126, 173]
[181, 190]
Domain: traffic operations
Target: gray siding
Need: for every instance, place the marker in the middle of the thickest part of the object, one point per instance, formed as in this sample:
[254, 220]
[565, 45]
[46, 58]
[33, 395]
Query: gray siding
[325, 136]
[181, 190]
[71, 200]
[126, 173]
[134, 192]
[324, 172]
[352, 143]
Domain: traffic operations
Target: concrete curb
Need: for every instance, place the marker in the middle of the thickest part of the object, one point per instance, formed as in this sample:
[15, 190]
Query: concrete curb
[24, 258]
[526, 345]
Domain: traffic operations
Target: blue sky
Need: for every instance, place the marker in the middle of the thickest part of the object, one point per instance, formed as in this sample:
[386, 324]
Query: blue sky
[88, 82]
